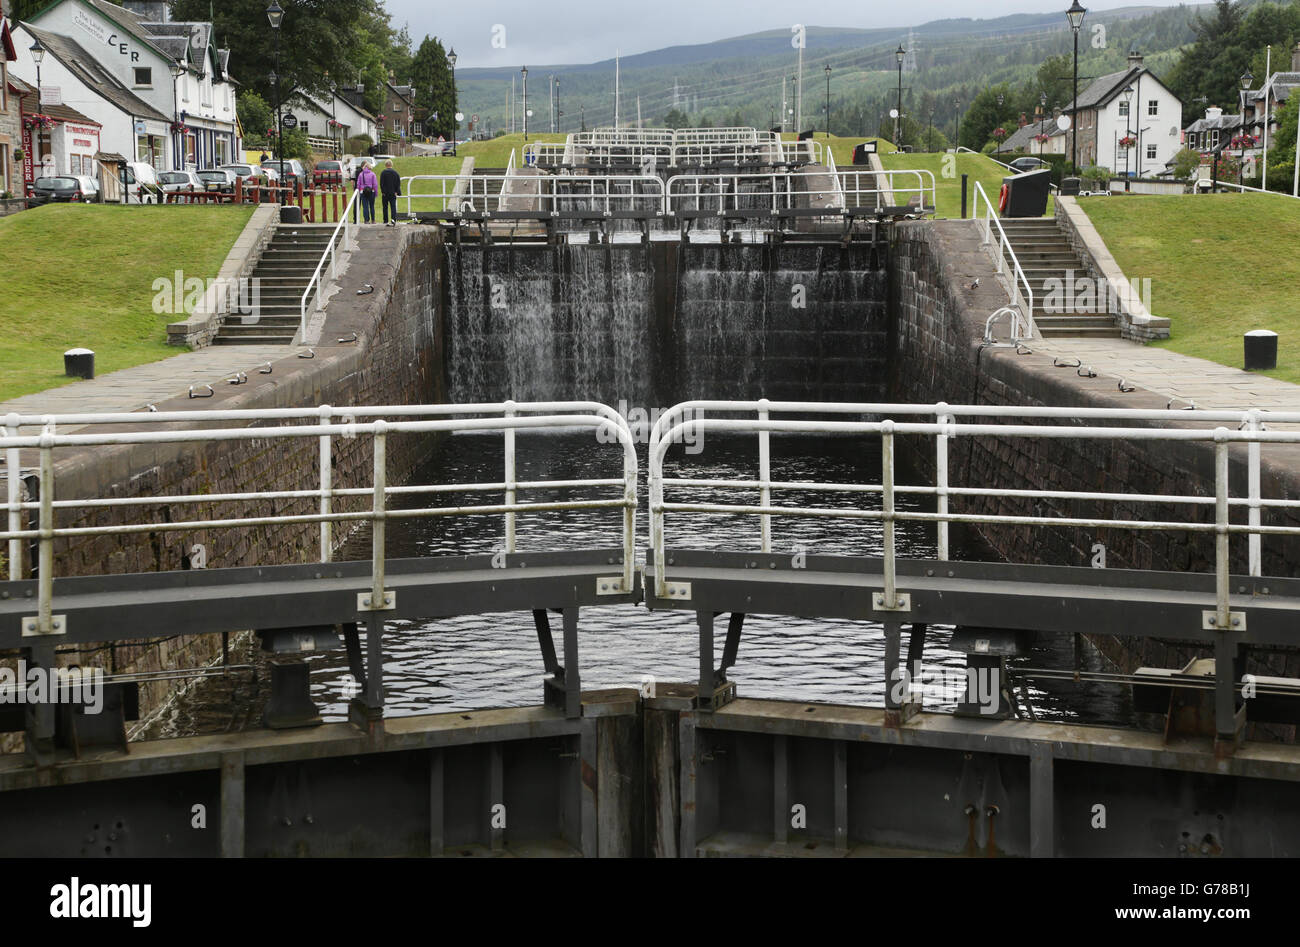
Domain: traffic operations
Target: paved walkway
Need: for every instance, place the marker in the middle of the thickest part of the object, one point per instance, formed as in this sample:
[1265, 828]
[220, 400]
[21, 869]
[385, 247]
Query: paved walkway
[1172, 375]
[134, 389]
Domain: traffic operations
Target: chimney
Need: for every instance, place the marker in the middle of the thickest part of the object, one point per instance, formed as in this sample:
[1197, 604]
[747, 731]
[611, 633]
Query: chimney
[1134, 59]
[1213, 113]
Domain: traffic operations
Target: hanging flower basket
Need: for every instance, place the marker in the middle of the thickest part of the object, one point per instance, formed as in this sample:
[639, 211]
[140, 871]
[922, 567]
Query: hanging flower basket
[37, 120]
[335, 124]
[999, 133]
[1243, 141]
[179, 128]
[1042, 137]
[1128, 141]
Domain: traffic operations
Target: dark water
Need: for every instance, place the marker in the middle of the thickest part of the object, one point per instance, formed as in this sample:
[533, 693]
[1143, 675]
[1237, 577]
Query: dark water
[493, 660]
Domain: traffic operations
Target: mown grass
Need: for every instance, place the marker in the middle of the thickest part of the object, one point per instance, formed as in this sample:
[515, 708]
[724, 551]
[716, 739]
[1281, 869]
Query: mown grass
[82, 275]
[947, 171]
[1219, 264]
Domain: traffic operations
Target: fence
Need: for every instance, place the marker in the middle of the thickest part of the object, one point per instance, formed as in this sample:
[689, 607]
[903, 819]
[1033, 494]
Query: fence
[1022, 293]
[326, 424]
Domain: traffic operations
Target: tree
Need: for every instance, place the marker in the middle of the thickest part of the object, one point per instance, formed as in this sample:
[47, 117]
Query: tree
[1185, 163]
[676, 119]
[431, 77]
[1281, 157]
[255, 116]
[985, 116]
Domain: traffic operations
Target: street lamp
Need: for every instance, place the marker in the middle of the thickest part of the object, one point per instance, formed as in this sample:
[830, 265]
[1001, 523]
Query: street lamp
[335, 131]
[1000, 101]
[451, 61]
[275, 14]
[956, 135]
[1127, 96]
[929, 135]
[828, 101]
[900, 54]
[1075, 16]
[38, 53]
[176, 69]
[1246, 80]
[524, 72]
[1042, 121]
[559, 112]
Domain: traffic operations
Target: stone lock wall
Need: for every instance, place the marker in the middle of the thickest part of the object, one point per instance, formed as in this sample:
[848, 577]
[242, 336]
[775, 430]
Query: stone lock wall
[397, 359]
[936, 355]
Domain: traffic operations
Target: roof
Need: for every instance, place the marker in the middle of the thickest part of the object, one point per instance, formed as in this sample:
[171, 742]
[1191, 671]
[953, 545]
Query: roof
[65, 113]
[1105, 89]
[92, 75]
[1022, 137]
[20, 87]
[133, 23]
[1225, 121]
[405, 92]
[7, 41]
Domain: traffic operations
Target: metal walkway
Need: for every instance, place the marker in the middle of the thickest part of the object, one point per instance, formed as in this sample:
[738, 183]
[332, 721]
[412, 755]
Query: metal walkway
[1002, 604]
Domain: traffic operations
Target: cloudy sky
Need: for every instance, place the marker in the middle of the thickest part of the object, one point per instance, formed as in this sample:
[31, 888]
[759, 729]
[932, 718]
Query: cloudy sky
[544, 33]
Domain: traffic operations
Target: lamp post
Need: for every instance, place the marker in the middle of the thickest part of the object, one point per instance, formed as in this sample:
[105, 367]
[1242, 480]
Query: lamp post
[1127, 96]
[900, 54]
[1042, 122]
[335, 132]
[1075, 16]
[1001, 99]
[828, 101]
[929, 135]
[524, 72]
[956, 135]
[559, 112]
[1246, 80]
[451, 62]
[275, 14]
[176, 69]
[38, 53]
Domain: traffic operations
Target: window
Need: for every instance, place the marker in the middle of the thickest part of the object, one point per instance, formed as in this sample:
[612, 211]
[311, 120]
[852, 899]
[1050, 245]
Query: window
[143, 76]
[303, 126]
[1123, 109]
[1214, 138]
[1151, 152]
[397, 106]
[1153, 107]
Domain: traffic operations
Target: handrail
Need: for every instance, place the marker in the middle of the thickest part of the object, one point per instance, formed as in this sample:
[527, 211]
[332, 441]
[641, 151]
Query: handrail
[1023, 301]
[687, 422]
[324, 423]
[924, 188]
[725, 191]
[343, 227]
[552, 193]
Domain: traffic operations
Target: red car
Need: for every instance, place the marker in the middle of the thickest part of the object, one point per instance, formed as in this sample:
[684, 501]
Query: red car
[327, 174]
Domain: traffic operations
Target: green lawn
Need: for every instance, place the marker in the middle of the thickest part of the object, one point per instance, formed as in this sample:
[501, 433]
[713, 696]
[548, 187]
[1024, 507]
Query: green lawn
[1190, 247]
[947, 177]
[83, 274]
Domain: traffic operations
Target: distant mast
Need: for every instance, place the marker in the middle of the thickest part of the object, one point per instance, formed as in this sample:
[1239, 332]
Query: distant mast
[616, 88]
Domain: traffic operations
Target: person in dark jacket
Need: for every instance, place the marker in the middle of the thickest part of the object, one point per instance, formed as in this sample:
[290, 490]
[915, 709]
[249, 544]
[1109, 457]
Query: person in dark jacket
[390, 186]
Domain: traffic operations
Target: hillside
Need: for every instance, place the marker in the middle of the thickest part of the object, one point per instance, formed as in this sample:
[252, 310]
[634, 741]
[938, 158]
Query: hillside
[740, 80]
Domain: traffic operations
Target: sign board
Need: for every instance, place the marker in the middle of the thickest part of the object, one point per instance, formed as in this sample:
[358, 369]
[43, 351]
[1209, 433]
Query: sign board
[51, 95]
[290, 121]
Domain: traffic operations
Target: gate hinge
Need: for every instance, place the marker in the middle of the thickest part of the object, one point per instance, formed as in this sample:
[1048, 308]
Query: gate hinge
[1210, 621]
[364, 603]
[32, 626]
[878, 602]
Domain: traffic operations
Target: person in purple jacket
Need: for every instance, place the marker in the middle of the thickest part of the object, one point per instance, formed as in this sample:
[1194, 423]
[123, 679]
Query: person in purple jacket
[368, 186]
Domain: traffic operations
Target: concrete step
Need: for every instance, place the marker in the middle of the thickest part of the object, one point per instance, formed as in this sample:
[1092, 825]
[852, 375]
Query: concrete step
[1075, 320]
[253, 340]
[1112, 332]
[285, 270]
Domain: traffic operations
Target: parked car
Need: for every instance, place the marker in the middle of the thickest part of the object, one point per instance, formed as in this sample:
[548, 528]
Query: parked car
[327, 174]
[142, 185]
[290, 171]
[218, 179]
[173, 181]
[63, 189]
[272, 176]
[1028, 164]
[248, 173]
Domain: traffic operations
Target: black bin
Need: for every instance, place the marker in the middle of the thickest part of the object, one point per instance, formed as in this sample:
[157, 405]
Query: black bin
[1027, 193]
[290, 215]
[862, 152]
[1261, 349]
[80, 363]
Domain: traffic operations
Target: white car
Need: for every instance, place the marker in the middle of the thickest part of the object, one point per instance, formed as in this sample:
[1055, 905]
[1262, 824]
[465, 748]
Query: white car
[272, 176]
[218, 179]
[173, 181]
[142, 185]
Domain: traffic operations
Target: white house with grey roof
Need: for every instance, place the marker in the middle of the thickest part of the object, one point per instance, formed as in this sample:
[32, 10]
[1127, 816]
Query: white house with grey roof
[138, 48]
[1103, 117]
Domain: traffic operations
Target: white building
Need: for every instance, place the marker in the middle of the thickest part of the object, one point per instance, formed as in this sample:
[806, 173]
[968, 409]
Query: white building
[1132, 105]
[71, 77]
[138, 51]
[315, 112]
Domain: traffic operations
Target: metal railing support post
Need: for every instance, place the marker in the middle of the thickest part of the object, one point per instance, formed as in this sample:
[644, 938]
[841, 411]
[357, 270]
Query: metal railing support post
[45, 577]
[13, 484]
[887, 502]
[510, 477]
[1252, 492]
[377, 517]
[941, 483]
[326, 487]
[1221, 549]
[765, 478]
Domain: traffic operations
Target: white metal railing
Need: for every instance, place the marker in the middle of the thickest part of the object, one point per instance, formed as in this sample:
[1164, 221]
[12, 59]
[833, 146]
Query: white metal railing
[779, 191]
[735, 133]
[705, 153]
[872, 188]
[542, 193]
[326, 424]
[1022, 293]
[341, 240]
[687, 422]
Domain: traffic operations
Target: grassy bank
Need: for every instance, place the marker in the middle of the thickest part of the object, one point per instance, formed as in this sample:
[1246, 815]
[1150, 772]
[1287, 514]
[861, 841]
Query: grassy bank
[947, 171]
[82, 275]
[1193, 249]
